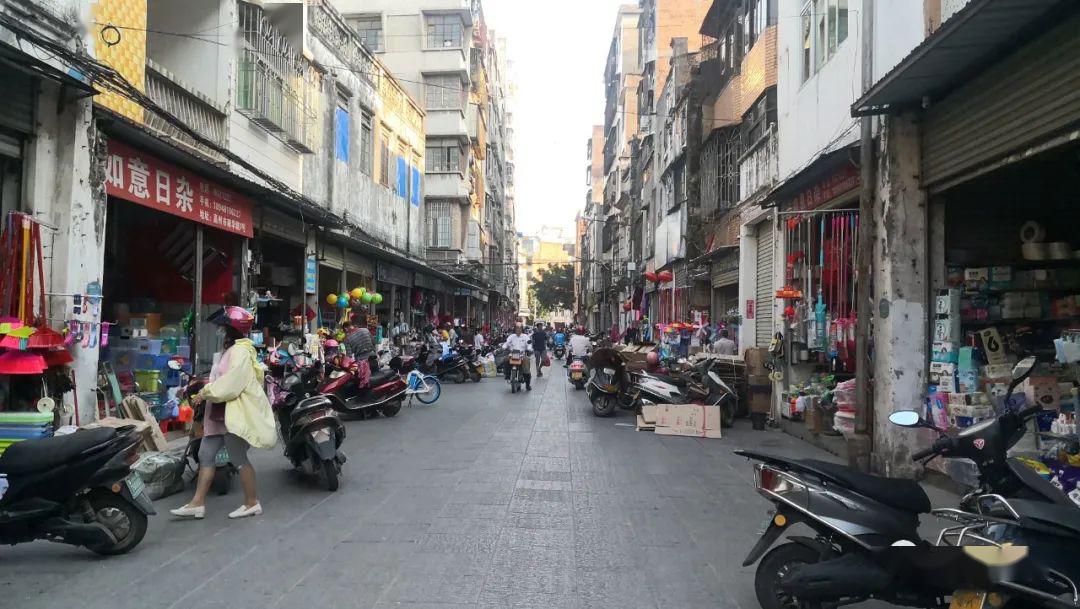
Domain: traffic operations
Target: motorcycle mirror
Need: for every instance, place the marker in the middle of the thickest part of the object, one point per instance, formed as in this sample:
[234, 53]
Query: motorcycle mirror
[906, 418]
[1024, 367]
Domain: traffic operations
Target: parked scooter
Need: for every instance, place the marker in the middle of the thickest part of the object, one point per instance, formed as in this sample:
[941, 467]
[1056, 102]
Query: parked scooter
[449, 366]
[76, 489]
[310, 430]
[610, 386]
[384, 393]
[855, 515]
[474, 363]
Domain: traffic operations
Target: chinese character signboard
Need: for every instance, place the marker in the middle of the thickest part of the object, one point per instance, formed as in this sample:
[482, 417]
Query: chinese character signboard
[843, 180]
[138, 177]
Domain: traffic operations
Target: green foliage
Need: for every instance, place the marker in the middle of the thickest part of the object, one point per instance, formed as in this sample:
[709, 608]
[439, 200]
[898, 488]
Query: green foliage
[553, 288]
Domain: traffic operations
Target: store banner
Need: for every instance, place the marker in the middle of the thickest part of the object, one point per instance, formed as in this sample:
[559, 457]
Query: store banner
[311, 275]
[426, 281]
[138, 177]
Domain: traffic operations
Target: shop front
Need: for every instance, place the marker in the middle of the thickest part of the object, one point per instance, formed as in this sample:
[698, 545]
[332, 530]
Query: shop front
[174, 251]
[985, 165]
[282, 277]
[395, 286]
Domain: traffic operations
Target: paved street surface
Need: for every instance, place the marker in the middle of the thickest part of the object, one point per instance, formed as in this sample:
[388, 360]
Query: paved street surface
[485, 500]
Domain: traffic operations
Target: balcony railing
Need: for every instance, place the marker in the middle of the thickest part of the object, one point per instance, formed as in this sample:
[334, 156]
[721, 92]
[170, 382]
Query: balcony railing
[758, 167]
[190, 106]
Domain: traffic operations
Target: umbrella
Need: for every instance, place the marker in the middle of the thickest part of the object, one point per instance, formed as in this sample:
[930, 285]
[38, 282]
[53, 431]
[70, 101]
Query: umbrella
[21, 362]
[45, 338]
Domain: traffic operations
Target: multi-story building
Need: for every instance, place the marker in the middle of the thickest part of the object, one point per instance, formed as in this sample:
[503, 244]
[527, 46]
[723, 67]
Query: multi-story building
[269, 160]
[590, 274]
[447, 57]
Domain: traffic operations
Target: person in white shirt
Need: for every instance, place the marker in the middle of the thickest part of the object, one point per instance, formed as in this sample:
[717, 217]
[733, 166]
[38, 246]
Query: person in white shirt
[478, 341]
[724, 345]
[519, 341]
[579, 346]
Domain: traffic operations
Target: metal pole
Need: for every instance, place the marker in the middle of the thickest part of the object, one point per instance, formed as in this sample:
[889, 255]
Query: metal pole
[198, 298]
[865, 252]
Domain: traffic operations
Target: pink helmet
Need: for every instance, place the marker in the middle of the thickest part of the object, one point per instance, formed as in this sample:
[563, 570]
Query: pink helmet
[331, 344]
[653, 358]
[238, 318]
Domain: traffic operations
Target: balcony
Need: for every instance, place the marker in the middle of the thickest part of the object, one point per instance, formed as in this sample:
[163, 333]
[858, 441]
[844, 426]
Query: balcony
[446, 123]
[445, 186]
[758, 167]
[714, 70]
[190, 106]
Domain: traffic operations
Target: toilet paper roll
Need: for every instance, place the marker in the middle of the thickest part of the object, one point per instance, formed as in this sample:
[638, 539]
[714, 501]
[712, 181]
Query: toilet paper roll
[1032, 232]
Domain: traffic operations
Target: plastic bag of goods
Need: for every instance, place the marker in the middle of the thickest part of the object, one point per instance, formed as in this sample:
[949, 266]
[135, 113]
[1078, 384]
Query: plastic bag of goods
[844, 422]
[162, 473]
[489, 366]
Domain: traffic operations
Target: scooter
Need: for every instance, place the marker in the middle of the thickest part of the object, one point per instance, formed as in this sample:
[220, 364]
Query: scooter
[76, 489]
[855, 515]
[576, 372]
[474, 367]
[611, 387]
[311, 432]
[384, 393]
[516, 376]
[560, 352]
[450, 365]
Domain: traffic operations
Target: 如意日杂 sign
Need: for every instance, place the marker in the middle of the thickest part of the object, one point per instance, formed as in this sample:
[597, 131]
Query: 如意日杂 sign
[138, 177]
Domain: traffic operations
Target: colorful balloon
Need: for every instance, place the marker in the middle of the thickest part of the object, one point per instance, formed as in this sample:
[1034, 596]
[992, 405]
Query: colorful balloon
[343, 300]
[376, 298]
[331, 299]
[367, 297]
[357, 292]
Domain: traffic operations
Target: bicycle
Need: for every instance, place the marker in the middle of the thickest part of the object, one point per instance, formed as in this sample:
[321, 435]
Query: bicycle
[425, 387]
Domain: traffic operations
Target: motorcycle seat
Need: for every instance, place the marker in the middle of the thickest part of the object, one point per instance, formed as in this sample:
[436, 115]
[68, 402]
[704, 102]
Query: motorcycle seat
[378, 378]
[899, 493]
[1048, 517]
[38, 455]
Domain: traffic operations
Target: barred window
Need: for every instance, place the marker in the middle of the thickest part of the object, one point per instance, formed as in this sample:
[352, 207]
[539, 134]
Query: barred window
[444, 31]
[384, 157]
[370, 29]
[443, 92]
[440, 223]
[443, 156]
[365, 141]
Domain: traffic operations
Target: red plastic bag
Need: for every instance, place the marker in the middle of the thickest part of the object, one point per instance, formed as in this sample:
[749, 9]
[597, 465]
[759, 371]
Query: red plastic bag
[547, 359]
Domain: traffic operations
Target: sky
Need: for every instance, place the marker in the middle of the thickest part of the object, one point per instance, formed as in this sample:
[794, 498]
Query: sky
[557, 49]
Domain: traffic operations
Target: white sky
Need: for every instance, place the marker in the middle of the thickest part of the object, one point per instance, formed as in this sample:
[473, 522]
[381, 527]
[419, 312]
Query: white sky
[558, 49]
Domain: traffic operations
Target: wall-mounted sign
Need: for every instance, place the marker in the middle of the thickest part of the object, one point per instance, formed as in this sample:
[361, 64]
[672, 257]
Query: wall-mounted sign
[311, 269]
[138, 177]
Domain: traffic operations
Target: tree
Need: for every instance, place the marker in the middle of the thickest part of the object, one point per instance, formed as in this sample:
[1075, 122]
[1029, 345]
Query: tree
[553, 288]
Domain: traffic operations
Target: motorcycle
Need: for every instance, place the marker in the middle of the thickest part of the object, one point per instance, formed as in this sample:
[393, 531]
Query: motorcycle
[576, 372]
[384, 393]
[559, 352]
[474, 367]
[515, 360]
[855, 515]
[450, 365]
[610, 386]
[700, 384]
[76, 489]
[311, 431]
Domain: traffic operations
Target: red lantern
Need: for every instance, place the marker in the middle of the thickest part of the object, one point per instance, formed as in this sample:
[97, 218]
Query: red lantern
[626, 306]
[665, 276]
[651, 276]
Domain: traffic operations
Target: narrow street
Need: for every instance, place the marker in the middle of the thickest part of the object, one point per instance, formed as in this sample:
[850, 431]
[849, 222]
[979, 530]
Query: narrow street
[484, 500]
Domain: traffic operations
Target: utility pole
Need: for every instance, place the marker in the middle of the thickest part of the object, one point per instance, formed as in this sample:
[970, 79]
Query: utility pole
[863, 444]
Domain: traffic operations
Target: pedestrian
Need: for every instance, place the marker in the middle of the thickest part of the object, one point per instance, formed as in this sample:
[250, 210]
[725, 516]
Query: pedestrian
[631, 335]
[614, 334]
[360, 346]
[539, 345]
[724, 345]
[478, 340]
[518, 341]
[237, 414]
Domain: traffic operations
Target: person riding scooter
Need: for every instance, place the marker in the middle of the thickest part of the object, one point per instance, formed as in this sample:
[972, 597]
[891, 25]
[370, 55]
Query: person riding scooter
[359, 345]
[579, 346]
[519, 341]
[559, 341]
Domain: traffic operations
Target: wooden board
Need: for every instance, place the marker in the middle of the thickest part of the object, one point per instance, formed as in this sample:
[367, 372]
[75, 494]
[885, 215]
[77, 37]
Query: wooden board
[643, 425]
[133, 407]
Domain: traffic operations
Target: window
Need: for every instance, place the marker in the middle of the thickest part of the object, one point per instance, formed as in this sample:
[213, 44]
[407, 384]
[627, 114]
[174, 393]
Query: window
[370, 29]
[444, 31]
[365, 141]
[824, 28]
[439, 223]
[760, 14]
[443, 92]
[443, 156]
[384, 158]
[756, 121]
[341, 128]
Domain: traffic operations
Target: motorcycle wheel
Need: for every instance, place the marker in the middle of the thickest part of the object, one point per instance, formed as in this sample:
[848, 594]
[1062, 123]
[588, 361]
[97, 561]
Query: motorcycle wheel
[773, 568]
[604, 405]
[330, 473]
[222, 482]
[459, 376]
[122, 518]
[476, 376]
[514, 386]
[391, 409]
[727, 414]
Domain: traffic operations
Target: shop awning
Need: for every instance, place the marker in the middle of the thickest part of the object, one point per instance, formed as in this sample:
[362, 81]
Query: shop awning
[973, 38]
[25, 62]
[825, 165]
[365, 245]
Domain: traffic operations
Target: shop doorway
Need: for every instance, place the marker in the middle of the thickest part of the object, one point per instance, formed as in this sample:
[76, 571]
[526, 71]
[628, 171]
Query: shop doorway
[277, 279]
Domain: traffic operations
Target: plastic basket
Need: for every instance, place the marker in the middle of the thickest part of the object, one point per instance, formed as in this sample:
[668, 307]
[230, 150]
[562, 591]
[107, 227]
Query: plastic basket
[26, 418]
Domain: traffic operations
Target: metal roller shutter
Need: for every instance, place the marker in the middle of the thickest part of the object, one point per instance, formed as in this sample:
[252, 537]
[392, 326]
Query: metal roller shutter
[1023, 101]
[332, 256]
[358, 264]
[17, 102]
[765, 293]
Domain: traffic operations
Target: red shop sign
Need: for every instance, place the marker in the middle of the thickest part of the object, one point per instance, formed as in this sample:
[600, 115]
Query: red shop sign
[843, 180]
[138, 177]
[750, 308]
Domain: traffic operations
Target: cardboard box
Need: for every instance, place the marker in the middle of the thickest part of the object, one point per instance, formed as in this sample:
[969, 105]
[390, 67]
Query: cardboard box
[998, 371]
[755, 358]
[992, 346]
[696, 420]
[948, 302]
[944, 376]
[648, 413]
[947, 351]
[947, 328]
[1044, 391]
